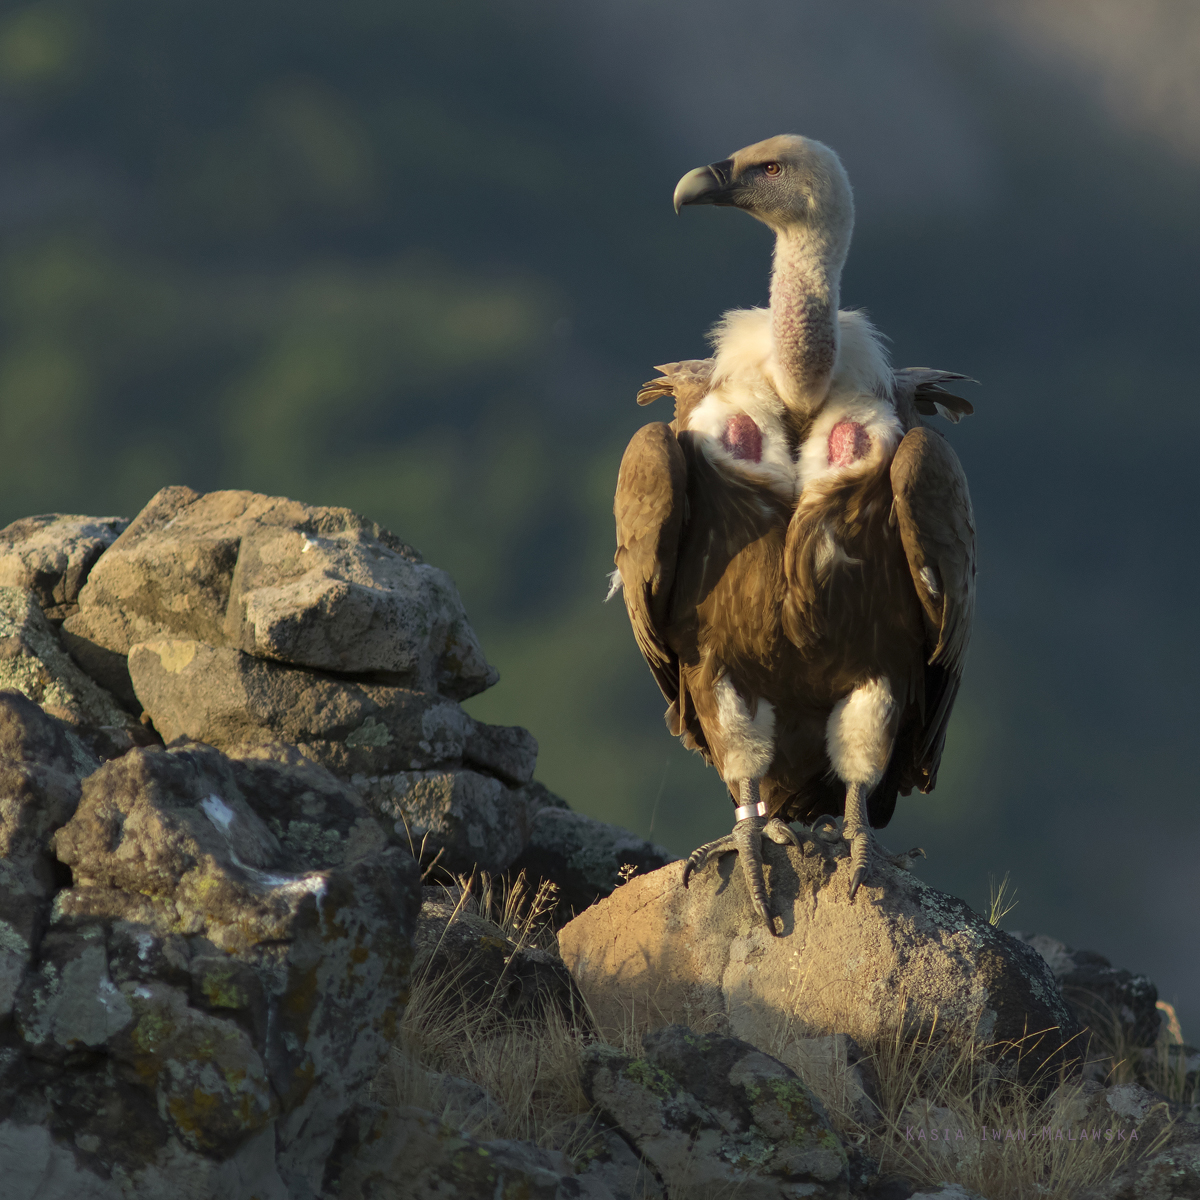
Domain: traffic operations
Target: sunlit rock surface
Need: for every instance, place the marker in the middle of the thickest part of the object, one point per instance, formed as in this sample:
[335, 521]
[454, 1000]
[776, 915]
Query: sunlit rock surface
[902, 956]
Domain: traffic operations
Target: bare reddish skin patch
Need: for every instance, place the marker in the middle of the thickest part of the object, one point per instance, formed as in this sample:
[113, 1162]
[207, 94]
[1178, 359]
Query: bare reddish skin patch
[742, 438]
[848, 442]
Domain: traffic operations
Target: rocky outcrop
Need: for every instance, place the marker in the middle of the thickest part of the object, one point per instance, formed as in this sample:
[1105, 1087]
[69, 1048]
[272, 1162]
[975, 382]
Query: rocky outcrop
[898, 955]
[197, 1013]
[205, 947]
[312, 587]
[713, 1113]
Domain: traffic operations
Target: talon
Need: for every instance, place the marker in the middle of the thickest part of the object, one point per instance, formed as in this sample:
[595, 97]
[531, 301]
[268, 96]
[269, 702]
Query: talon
[860, 873]
[781, 833]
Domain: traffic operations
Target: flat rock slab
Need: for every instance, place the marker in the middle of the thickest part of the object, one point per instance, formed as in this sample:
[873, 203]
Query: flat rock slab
[225, 697]
[313, 587]
[892, 960]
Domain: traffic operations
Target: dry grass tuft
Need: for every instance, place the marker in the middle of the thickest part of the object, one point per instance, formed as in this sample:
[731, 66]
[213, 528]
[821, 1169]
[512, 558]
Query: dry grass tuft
[528, 1067]
[1001, 900]
[1007, 1140]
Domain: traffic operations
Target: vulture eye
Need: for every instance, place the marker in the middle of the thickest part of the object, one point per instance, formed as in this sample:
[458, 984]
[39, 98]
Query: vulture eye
[772, 168]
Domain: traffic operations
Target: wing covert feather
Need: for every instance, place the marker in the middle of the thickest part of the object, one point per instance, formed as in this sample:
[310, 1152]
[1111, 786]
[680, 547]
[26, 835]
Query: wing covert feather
[649, 508]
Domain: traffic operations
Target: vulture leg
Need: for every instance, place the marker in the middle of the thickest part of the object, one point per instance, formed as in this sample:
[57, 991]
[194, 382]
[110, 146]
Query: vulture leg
[857, 831]
[746, 841]
[859, 739]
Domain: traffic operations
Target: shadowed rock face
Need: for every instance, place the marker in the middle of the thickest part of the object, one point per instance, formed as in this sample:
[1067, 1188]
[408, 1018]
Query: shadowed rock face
[1109, 1000]
[896, 956]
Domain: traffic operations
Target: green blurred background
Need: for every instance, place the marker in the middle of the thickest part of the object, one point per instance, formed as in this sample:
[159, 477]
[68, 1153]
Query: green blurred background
[415, 259]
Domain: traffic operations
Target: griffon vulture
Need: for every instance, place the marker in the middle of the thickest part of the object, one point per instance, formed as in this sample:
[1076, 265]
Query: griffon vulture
[796, 550]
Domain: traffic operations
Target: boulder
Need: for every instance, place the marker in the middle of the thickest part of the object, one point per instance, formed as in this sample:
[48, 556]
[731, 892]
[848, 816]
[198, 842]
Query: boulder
[51, 555]
[33, 662]
[461, 820]
[713, 1114]
[313, 587]
[584, 858]
[222, 976]
[1116, 1004]
[902, 956]
[411, 1153]
[1125, 1111]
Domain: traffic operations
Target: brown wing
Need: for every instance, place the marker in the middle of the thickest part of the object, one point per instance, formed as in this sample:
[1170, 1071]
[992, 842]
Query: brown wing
[649, 507]
[932, 508]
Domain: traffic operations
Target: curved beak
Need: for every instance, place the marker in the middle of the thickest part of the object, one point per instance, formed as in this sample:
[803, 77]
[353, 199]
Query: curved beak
[706, 185]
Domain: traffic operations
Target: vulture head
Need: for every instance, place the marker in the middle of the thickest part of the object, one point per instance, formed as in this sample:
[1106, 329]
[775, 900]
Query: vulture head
[792, 184]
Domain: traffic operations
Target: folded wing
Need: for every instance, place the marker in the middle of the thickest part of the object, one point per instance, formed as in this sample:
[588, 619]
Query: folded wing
[932, 508]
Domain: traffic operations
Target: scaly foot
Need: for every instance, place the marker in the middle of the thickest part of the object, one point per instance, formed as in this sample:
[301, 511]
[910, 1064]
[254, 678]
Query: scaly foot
[746, 841]
[863, 845]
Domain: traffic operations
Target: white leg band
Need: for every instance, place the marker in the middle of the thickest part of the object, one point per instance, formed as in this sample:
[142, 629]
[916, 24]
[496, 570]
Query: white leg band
[750, 810]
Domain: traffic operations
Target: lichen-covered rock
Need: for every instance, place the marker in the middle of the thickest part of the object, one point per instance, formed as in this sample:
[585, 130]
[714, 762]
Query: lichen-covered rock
[460, 819]
[314, 587]
[427, 768]
[891, 960]
[712, 1112]
[584, 858]
[409, 1153]
[51, 555]
[835, 1065]
[1115, 1003]
[1123, 1111]
[222, 977]
[41, 764]
[33, 662]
